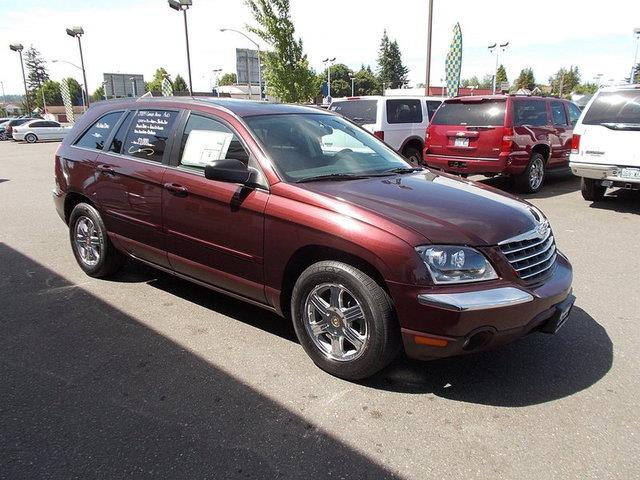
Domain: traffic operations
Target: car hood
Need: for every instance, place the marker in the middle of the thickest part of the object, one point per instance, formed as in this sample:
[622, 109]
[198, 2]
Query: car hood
[441, 208]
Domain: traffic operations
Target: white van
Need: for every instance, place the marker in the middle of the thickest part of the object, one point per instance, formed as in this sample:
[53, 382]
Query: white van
[604, 149]
[400, 121]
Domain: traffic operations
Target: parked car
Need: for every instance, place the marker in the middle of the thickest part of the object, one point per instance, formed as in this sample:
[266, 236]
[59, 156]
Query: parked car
[3, 126]
[604, 150]
[365, 253]
[39, 130]
[400, 121]
[11, 124]
[525, 137]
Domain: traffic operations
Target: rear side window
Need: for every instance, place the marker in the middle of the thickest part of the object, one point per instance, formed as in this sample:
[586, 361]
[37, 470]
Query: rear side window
[38, 124]
[432, 106]
[118, 138]
[206, 140]
[404, 111]
[148, 134]
[558, 114]
[574, 113]
[358, 111]
[530, 112]
[99, 132]
[486, 113]
[614, 107]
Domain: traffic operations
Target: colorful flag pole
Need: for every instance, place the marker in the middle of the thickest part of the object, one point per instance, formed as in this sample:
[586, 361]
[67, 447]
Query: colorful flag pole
[66, 99]
[453, 62]
[167, 88]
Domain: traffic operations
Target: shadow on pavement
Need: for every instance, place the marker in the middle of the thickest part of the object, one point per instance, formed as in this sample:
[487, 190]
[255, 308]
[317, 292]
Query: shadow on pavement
[623, 201]
[89, 392]
[536, 369]
[554, 184]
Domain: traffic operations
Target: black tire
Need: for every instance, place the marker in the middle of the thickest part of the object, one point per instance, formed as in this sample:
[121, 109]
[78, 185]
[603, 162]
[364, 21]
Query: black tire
[109, 259]
[30, 138]
[592, 191]
[525, 181]
[413, 156]
[382, 342]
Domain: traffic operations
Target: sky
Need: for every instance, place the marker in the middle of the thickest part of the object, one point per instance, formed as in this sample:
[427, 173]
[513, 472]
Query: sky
[138, 36]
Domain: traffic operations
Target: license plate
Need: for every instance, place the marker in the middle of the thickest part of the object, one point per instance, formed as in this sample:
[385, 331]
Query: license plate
[461, 142]
[630, 173]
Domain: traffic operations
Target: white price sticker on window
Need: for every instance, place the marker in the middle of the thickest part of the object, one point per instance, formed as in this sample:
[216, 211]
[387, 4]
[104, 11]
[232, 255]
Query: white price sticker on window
[205, 146]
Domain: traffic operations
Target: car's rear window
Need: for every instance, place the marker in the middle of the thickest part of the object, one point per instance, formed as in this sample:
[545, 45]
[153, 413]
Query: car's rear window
[358, 111]
[485, 113]
[614, 107]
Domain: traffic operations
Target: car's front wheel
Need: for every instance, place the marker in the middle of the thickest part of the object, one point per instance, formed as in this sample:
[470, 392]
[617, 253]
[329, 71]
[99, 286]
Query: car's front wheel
[344, 320]
[91, 246]
[592, 191]
[30, 138]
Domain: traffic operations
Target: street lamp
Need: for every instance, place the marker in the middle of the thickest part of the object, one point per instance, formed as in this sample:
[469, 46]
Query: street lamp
[259, 59]
[353, 79]
[183, 5]
[82, 92]
[77, 32]
[216, 80]
[494, 48]
[17, 47]
[636, 32]
[328, 62]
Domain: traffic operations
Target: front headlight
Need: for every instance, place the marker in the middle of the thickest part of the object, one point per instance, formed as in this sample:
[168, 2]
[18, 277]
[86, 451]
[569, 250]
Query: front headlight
[451, 264]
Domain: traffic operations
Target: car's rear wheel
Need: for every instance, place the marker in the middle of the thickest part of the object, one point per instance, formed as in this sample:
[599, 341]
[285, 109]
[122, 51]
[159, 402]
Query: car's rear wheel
[531, 180]
[344, 320]
[413, 155]
[592, 191]
[30, 138]
[91, 246]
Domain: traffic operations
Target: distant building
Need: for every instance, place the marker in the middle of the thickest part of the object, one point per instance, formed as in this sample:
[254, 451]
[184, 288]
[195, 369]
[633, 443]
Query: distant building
[11, 108]
[57, 113]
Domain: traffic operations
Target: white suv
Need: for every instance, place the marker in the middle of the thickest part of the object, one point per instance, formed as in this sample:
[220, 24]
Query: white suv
[604, 149]
[400, 121]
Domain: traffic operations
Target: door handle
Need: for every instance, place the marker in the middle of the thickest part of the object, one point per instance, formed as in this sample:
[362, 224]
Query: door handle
[106, 169]
[177, 189]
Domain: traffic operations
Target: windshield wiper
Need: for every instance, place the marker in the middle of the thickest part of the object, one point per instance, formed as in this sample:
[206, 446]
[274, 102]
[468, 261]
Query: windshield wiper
[332, 176]
[404, 170]
[621, 126]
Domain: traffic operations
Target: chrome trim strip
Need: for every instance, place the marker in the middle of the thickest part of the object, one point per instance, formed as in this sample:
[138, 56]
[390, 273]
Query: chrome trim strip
[542, 270]
[553, 251]
[530, 235]
[476, 300]
[549, 242]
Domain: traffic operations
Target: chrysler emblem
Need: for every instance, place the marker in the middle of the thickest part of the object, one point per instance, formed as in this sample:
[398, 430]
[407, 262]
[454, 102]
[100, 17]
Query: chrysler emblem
[542, 229]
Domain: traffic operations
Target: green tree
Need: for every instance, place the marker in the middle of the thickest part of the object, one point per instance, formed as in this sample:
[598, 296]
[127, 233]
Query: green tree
[75, 91]
[636, 76]
[470, 82]
[98, 94]
[179, 85]
[287, 70]
[586, 88]
[564, 81]
[391, 70]
[37, 73]
[501, 75]
[155, 85]
[366, 82]
[526, 79]
[340, 80]
[52, 94]
[228, 79]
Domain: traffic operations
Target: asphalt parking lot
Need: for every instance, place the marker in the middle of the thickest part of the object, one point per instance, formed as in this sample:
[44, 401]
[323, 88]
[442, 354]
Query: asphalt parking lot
[148, 376]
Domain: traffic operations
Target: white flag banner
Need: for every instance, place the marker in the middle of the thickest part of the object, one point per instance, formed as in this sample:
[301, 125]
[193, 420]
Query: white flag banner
[66, 99]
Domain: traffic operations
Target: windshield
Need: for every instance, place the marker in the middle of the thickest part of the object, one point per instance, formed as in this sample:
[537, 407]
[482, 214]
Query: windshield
[359, 111]
[303, 146]
[614, 107]
[486, 113]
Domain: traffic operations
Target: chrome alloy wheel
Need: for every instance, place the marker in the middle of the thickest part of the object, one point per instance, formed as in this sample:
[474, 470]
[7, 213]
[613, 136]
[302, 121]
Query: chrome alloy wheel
[536, 173]
[335, 322]
[88, 241]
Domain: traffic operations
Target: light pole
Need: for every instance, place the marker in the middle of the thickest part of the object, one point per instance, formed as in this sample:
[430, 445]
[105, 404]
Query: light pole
[492, 48]
[328, 62]
[17, 47]
[133, 84]
[429, 27]
[353, 90]
[82, 92]
[636, 32]
[183, 6]
[77, 32]
[216, 80]
[104, 90]
[259, 59]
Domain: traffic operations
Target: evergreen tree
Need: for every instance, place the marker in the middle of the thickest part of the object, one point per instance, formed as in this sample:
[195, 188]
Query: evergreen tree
[98, 94]
[501, 75]
[391, 70]
[470, 82]
[366, 82]
[37, 73]
[287, 72]
[565, 81]
[340, 80]
[526, 79]
[179, 84]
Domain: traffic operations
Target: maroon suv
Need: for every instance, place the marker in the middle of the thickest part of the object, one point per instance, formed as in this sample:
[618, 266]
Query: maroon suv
[303, 213]
[520, 136]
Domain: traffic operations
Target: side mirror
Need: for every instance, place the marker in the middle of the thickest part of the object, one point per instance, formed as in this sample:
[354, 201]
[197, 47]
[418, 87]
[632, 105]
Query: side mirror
[228, 170]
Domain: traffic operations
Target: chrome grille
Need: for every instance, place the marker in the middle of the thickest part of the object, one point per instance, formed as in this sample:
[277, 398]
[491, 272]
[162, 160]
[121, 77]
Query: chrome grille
[532, 254]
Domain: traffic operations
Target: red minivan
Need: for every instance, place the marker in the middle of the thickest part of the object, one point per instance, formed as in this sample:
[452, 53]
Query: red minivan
[306, 214]
[524, 137]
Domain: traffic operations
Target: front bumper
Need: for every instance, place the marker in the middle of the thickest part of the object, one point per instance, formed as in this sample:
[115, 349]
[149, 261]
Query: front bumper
[601, 172]
[441, 323]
